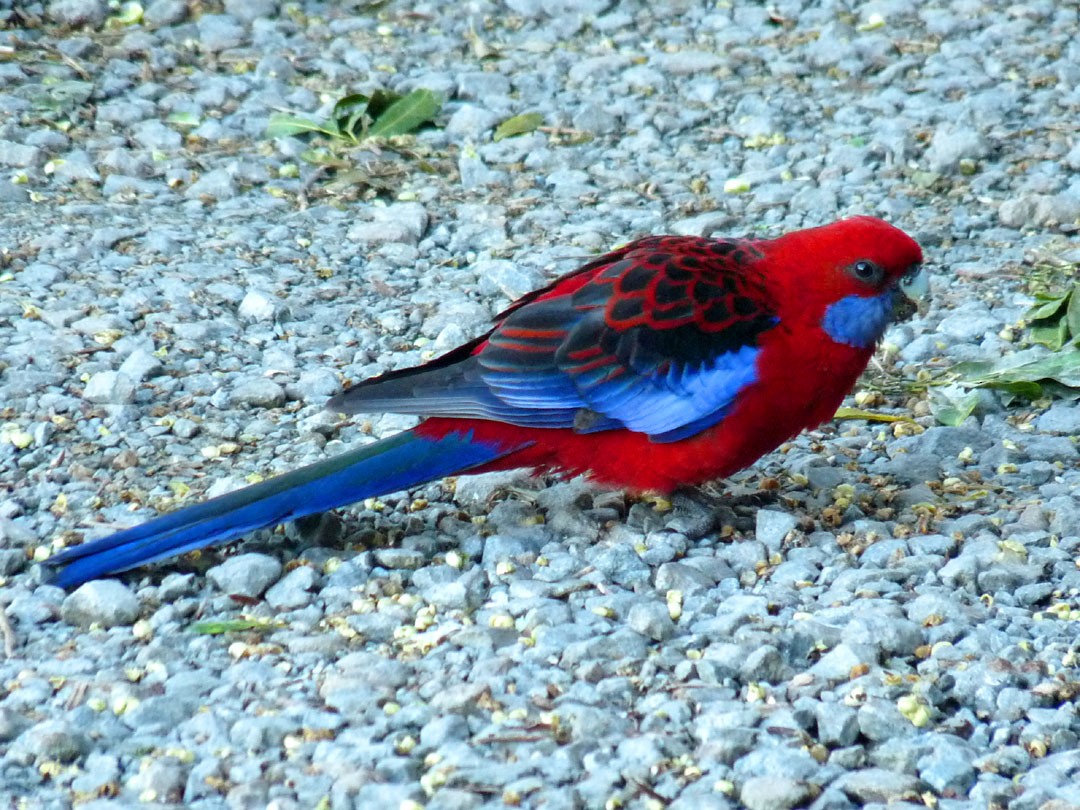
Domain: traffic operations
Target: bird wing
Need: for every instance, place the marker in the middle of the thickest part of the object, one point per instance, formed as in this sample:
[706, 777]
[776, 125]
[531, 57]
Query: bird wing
[658, 337]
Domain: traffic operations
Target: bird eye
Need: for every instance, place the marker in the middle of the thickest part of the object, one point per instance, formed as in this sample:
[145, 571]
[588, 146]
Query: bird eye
[866, 271]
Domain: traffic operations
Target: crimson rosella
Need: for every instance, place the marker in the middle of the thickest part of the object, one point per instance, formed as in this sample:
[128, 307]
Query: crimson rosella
[671, 361]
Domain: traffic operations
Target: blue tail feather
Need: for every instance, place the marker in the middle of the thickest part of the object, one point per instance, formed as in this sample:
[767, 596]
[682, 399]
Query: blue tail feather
[402, 461]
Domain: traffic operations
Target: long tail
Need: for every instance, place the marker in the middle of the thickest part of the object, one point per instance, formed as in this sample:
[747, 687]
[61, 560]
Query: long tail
[402, 461]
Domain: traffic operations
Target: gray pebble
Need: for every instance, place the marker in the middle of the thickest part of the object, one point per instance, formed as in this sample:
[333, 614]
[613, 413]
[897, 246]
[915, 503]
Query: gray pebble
[497, 276]
[165, 12]
[948, 767]
[52, 741]
[1061, 417]
[257, 306]
[12, 724]
[139, 365]
[219, 32]
[952, 143]
[164, 778]
[218, 184]
[78, 13]
[294, 590]
[651, 619]
[154, 135]
[246, 574]
[105, 602]
[19, 155]
[257, 392]
[251, 10]
[773, 526]
[880, 785]
[838, 725]
[776, 793]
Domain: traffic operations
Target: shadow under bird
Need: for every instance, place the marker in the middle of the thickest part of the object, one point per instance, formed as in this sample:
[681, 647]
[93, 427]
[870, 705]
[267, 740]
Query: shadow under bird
[668, 362]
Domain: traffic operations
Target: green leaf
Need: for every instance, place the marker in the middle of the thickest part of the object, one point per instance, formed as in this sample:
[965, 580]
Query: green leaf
[183, 119]
[1052, 335]
[323, 157]
[952, 407]
[1020, 376]
[282, 125]
[1046, 307]
[381, 101]
[1072, 314]
[352, 115]
[870, 416]
[346, 104]
[406, 114]
[519, 125]
[234, 626]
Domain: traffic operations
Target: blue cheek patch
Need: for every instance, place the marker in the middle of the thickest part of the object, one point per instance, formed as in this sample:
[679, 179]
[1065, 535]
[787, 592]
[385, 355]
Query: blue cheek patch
[858, 321]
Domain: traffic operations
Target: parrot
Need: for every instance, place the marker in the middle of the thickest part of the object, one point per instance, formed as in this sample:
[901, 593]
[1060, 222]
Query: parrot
[664, 364]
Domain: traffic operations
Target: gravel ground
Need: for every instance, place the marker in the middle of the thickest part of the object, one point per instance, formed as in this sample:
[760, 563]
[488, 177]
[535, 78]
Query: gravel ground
[875, 614]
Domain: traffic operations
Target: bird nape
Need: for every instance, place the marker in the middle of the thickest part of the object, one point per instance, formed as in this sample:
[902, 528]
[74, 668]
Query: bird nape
[668, 362]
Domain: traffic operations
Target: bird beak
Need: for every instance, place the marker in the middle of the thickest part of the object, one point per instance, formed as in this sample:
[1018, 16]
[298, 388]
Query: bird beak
[915, 286]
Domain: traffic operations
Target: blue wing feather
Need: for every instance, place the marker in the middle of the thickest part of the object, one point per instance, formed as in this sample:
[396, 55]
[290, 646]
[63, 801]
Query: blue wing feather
[660, 341]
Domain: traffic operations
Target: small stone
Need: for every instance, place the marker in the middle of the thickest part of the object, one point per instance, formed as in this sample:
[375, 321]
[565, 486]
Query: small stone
[185, 428]
[12, 724]
[948, 767]
[218, 184]
[294, 590]
[251, 10]
[1062, 417]
[880, 719]
[1016, 212]
[951, 144]
[838, 725]
[54, 740]
[165, 12]
[683, 63]
[219, 32]
[17, 155]
[105, 602]
[399, 558]
[776, 793]
[773, 526]
[679, 576]
[109, 388]
[837, 663]
[257, 393]
[77, 13]
[506, 277]
[1056, 209]
[155, 136]
[163, 778]
[411, 216]
[471, 121]
[443, 730]
[763, 664]
[880, 785]
[139, 365]
[651, 619]
[258, 306]
[621, 565]
[246, 574]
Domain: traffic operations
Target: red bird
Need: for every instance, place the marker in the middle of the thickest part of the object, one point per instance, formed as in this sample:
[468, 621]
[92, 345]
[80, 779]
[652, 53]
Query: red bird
[668, 362]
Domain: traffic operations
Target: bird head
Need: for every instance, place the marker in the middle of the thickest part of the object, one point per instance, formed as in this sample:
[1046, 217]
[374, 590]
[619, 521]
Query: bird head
[855, 276]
